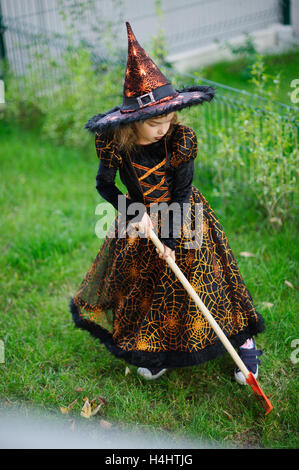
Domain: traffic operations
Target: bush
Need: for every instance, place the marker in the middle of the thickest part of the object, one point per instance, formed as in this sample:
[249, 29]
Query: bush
[257, 155]
[77, 91]
[260, 150]
[58, 95]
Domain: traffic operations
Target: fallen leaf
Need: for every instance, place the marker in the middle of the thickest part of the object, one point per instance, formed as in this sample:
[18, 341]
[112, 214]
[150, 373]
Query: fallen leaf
[96, 409]
[283, 371]
[79, 389]
[101, 400]
[86, 410]
[275, 219]
[64, 410]
[246, 254]
[267, 304]
[105, 424]
[71, 406]
[289, 284]
[127, 371]
[228, 415]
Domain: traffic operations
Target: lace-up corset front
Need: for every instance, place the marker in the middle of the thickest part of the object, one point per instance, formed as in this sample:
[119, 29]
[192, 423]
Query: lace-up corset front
[151, 175]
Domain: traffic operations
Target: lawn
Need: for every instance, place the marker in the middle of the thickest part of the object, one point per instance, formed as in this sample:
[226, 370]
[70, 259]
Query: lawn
[48, 243]
[235, 74]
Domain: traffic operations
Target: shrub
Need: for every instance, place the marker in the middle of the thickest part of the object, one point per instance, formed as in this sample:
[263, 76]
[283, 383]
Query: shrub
[260, 149]
[78, 89]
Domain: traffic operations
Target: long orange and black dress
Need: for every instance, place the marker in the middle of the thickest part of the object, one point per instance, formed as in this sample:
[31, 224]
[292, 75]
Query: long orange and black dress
[131, 300]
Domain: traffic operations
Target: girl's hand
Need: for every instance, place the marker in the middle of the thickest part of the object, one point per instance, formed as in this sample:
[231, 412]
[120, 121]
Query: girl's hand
[144, 226]
[167, 252]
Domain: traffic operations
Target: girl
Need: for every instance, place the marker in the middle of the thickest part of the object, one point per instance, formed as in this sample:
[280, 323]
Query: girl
[130, 299]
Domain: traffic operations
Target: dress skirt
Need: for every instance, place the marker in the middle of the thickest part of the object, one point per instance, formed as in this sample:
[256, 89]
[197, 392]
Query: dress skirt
[131, 300]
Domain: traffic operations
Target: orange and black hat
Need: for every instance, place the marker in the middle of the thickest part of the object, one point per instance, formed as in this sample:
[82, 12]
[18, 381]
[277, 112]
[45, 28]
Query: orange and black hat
[147, 92]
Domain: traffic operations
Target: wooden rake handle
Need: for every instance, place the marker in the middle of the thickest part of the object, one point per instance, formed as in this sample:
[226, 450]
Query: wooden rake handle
[250, 379]
[226, 343]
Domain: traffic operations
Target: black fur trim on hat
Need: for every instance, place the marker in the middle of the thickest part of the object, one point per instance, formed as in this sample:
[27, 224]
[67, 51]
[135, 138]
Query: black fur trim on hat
[95, 125]
[208, 90]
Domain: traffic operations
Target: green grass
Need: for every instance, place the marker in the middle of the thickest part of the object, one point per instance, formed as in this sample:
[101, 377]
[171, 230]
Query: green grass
[48, 243]
[234, 73]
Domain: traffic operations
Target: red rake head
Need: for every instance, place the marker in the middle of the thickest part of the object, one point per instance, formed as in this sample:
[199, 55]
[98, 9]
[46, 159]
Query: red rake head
[259, 393]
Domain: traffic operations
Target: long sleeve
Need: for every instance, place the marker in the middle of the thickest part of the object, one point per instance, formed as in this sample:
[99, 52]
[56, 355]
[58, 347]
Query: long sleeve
[105, 184]
[110, 161]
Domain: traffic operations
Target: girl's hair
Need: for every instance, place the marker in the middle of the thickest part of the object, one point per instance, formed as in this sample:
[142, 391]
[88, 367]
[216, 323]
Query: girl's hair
[126, 135]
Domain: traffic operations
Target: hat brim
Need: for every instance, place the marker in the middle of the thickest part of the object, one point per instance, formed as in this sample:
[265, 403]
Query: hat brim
[186, 97]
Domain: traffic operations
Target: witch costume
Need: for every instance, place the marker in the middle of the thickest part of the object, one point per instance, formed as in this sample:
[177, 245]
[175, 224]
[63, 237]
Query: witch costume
[130, 299]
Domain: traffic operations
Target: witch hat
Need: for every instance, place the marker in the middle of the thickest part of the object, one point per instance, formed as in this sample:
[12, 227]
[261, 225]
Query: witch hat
[147, 92]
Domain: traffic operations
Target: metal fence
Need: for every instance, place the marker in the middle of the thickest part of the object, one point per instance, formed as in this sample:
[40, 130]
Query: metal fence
[29, 47]
[226, 109]
[186, 25]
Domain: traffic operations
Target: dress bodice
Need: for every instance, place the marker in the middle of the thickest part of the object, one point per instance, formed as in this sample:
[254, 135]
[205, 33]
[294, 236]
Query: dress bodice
[149, 163]
[159, 172]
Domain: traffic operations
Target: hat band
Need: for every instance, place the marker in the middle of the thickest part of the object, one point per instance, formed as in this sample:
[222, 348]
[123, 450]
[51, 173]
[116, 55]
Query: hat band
[139, 102]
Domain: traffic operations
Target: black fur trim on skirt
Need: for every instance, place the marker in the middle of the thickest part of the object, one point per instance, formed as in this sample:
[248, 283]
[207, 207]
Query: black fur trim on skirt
[165, 359]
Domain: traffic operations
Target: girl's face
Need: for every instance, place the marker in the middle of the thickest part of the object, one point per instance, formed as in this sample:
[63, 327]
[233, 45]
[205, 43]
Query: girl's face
[153, 129]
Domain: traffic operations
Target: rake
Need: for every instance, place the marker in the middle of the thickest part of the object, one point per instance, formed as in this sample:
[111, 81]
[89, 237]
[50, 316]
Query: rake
[250, 379]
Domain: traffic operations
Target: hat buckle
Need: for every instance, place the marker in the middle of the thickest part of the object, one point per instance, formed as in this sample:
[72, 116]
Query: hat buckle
[140, 99]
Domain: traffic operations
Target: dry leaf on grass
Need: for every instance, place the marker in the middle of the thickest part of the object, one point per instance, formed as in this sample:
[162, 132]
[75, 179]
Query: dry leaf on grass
[65, 410]
[289, 284]
[96, 404]
[228, 415]
[95, 410]
[127, 371]
[86, 410]
[79, 389]
[267, 304]
[246, 254]
[91, 408]
[275, 219]
[101, 400]
[73, 403]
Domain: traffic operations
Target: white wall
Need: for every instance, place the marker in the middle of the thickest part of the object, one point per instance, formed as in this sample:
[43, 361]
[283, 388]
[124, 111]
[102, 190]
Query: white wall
[188, 24]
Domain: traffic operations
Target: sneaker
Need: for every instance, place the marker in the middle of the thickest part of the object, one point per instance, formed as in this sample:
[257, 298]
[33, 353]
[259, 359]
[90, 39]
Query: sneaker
[249, 357]
[150, 374]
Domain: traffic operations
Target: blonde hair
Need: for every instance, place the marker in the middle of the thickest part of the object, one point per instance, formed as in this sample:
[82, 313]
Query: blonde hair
[126, 135]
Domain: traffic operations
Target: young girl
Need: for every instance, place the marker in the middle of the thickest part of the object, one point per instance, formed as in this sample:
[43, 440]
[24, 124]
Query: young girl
[130, 299]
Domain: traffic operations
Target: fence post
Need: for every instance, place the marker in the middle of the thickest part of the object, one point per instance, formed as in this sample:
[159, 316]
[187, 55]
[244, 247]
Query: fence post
[285, 7]
[295, 17]
[2, 43]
